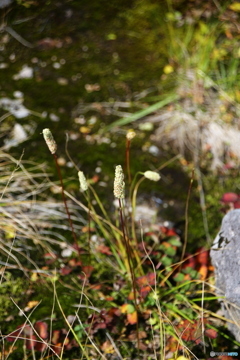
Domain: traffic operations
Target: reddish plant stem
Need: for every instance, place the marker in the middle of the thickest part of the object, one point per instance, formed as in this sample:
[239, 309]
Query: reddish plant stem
[186, 216]
[128, 250]
[65, 203]
[127, 157]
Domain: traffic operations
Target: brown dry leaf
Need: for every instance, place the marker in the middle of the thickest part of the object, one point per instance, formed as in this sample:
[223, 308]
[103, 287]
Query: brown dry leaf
[92, 87]
[107, 347]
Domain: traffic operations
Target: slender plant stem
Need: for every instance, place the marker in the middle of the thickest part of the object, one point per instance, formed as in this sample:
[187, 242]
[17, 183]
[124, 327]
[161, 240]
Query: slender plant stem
[127, 154]
[126, 240]
[186, 216]
[65, 203]
[134, 197]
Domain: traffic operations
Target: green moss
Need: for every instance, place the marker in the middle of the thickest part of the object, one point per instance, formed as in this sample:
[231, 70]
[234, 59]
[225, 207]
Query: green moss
[11, 287]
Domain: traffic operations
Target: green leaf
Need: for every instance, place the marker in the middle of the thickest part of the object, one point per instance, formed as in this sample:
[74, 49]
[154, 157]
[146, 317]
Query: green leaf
[170, 251]
[140, 114]
[166, 261]
[175, 241]
[179, 277]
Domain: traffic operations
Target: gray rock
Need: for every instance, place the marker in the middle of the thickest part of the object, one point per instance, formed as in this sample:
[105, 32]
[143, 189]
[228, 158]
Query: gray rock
[4, 3]
[225, 254]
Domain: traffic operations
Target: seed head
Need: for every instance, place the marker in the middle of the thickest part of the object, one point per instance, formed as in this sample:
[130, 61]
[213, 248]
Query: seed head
[82, 181]
[50, 141]
[130, 135]
[119, 184]
[152, 175]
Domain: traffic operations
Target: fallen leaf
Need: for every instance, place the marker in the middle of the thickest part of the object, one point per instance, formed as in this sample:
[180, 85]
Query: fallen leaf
[104, 249]
[42, 328]
[107, 347]
[132, 318]
[31, 304]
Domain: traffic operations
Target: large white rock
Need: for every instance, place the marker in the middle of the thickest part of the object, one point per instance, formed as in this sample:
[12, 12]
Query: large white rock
[225, 254]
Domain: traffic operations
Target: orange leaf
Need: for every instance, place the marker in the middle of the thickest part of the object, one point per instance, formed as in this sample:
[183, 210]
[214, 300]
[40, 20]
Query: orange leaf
[203, 271]
[145, 280]
[132, 318]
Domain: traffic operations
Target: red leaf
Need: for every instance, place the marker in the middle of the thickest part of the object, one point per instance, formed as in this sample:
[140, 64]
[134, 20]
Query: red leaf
[40, 346]
[144, 291]
[203, 256]
[87, 269]
[229, 197]
[50, 258]
[65, 270]
[104, 249]
[145, 280]
[57, 348]
[55, 336]
[236, 204]
[191, 262]
[211, 333]
[168, 232]
[30, 343]
[12, 337]
[96, 286]
[42, 329]
[74, 262]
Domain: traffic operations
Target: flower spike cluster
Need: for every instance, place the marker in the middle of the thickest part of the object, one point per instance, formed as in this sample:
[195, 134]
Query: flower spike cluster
[50, 141]
[82, 181]
[152, 175]
[119, 184]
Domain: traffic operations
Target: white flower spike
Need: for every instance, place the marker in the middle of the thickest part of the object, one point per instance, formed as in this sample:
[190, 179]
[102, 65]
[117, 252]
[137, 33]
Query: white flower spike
[119, 184]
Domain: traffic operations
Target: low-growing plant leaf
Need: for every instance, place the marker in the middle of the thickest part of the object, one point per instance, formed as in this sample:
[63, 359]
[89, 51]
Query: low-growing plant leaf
[166, 261]
[179, 277]
[132, 318]
[175, 240]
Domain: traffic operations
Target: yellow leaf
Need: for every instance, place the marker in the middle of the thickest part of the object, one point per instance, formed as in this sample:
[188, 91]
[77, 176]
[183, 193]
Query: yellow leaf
[9, 232]
[235, 6]
[124, 308]
[31, 304]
